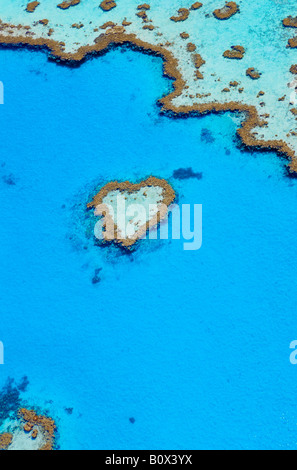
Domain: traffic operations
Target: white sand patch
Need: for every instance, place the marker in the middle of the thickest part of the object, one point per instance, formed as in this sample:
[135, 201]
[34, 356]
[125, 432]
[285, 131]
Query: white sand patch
[130, 211]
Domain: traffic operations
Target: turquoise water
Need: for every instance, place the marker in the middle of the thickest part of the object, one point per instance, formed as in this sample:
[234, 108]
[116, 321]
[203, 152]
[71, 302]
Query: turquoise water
[193, 345]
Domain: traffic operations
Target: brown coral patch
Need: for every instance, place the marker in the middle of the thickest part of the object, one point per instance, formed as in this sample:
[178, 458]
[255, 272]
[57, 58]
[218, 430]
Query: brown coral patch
[253, 73]
[198, 62]
[67, 4]
[183, 15]
[126, 23]
[292, 43]
[184, 35]
[171, 70]
[150, 27]
[144, 6]
[45, 22]
[112, 234]
[228, 10]
[293, 69]
[31, 7]
[196, 5]
[236, 52]
[45, 424]
[294, 111]
[142, 14]
[117, 29]
[108, 5]
[191, 47]
[290, 22]
[108, 24]
[5, 440]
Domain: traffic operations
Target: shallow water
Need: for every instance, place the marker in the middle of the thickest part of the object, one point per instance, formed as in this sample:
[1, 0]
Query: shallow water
[193, 345]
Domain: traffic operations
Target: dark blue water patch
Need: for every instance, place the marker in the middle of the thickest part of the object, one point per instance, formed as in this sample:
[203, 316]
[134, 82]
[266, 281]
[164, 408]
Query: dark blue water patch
[10, 180]
[186, 173]
[96, 278]
[206, 136]
[10, 397]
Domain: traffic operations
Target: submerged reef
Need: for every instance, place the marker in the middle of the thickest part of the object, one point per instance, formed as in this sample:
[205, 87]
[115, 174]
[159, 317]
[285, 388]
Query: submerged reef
[92, 30]
[118, 203]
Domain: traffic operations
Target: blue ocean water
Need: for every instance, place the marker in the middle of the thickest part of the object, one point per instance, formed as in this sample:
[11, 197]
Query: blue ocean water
[194, 345]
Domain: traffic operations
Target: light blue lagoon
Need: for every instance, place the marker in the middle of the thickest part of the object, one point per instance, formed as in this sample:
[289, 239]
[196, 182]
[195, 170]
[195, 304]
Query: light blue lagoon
[194, 345]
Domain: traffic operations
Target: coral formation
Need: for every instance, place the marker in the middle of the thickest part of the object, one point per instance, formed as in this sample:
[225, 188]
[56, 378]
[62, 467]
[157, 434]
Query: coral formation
[31, 7]
[118, 37]
[236, 52]
[144, 6]
[290, 22]
[183, 14]
[39, 423]
[253, 74]
[196, 5]
[112, 232]
[5, 440]
[107, 5]
[67, 4]
[228, 10]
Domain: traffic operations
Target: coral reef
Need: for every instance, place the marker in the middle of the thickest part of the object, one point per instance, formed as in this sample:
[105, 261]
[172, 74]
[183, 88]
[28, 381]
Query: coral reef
[39, 423]
[292, 43]
[107, 5]
[5, 440]
[116, 36]
[228, 10]
[144, 6]
[183, 15]
[31, 7]
[111, 232]
[196, 6]
[236, 52]
[67, 4]
[253, 74]
[290, 22]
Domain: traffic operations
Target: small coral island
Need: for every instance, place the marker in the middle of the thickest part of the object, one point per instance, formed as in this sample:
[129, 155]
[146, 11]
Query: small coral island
[130, 210]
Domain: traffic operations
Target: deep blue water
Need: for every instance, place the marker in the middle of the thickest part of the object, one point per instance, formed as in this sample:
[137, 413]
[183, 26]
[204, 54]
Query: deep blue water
[193, 345]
